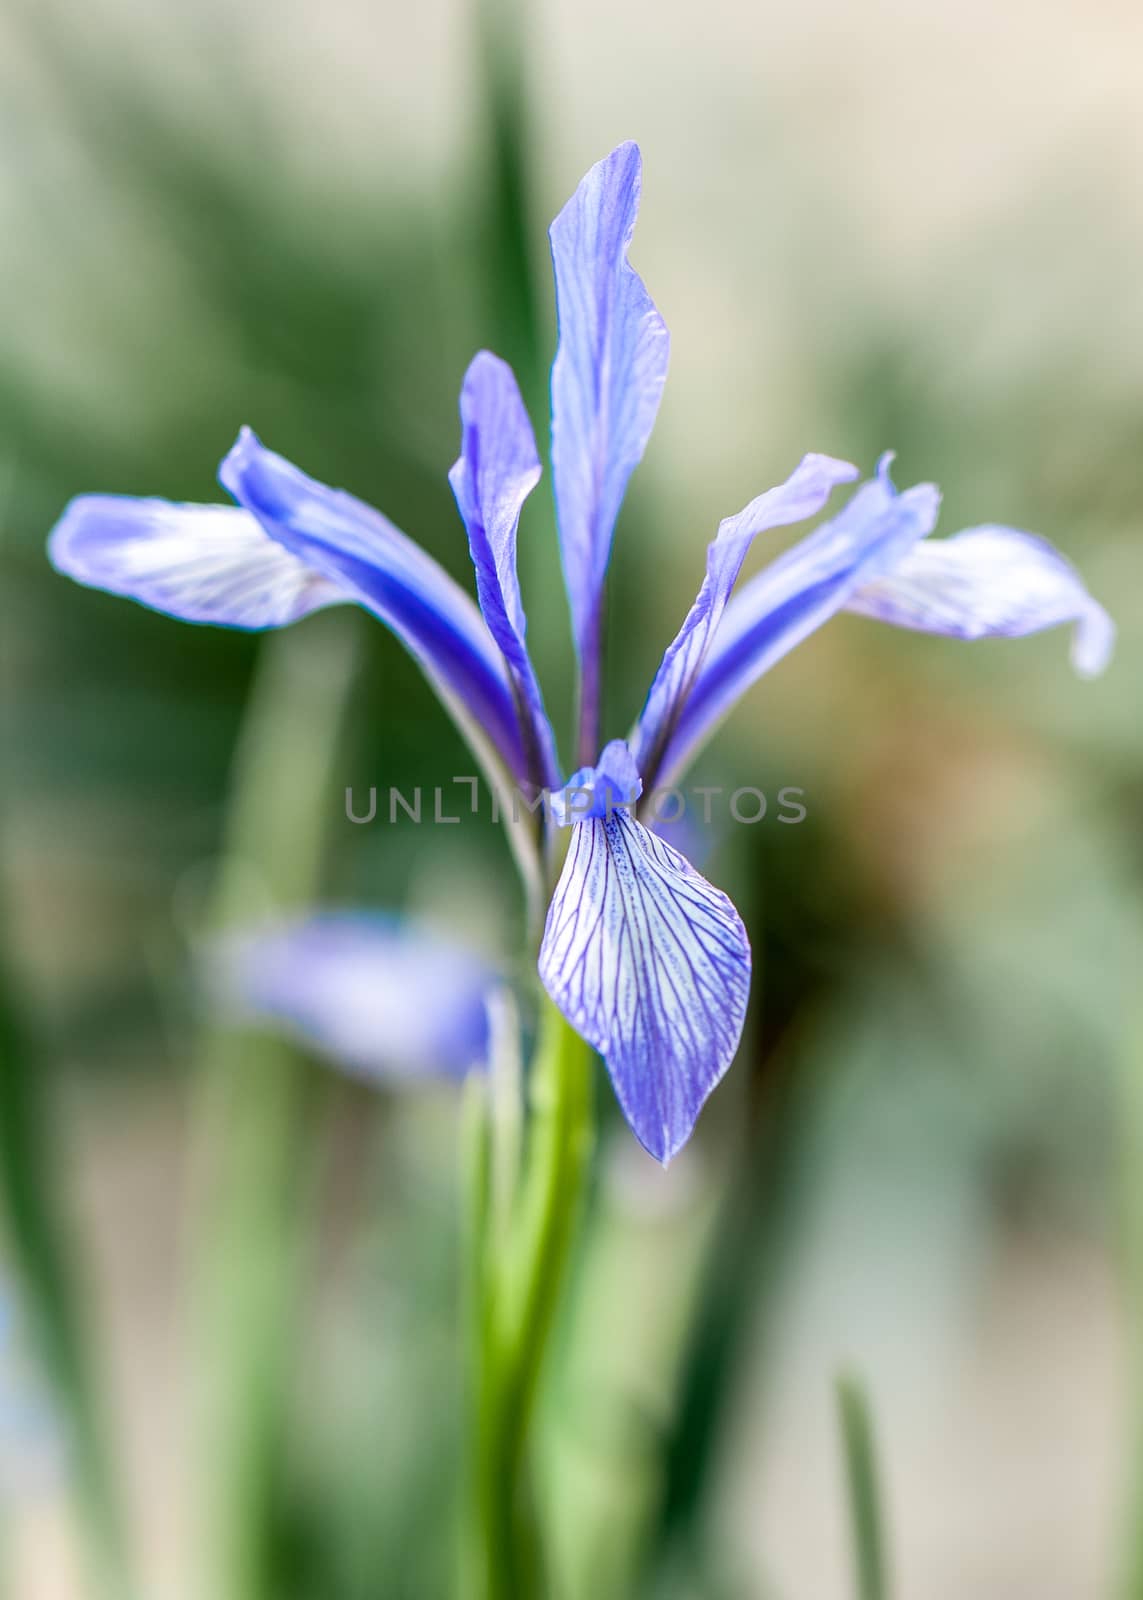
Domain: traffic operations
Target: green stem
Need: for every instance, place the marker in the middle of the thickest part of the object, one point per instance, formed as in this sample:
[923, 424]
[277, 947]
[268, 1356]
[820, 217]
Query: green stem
[1130, 1128]
[501, 41]
[255, 1156]
[864, 1494]
[38, 1231]
[31, 1169]
[523, 1281]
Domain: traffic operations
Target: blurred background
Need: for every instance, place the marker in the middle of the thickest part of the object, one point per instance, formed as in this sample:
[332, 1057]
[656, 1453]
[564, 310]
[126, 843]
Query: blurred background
[228, 1296]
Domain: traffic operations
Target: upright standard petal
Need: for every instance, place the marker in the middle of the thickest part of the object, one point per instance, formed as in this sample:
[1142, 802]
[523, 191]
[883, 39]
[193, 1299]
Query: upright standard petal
[372, 994]
[803, 495]
[201, 563]
[990, 581]
[358, 549]
[497, 469]
[651, 964]
[793, 596]
[607, 381]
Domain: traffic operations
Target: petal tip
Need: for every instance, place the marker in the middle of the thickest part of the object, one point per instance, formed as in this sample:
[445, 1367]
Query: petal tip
[832, 467]
[485, 363]
[626, 153]
[60, 539]
[665, 1150]
[84, 533]
[1093, 643]
[617, 175]
[234, 464]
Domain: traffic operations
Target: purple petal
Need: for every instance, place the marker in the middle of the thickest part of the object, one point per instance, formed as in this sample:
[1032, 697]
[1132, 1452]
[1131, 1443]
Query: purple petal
[988, 581]
[651, 964]
[202, 563]
[372, 994]
[607, 380]
[357, 548]
[497, 470]
[793, 596]
[802, 495]
[597, 791]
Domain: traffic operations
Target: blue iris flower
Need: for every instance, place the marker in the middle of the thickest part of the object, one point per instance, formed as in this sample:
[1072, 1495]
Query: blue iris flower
[373, 993]
[645, 958]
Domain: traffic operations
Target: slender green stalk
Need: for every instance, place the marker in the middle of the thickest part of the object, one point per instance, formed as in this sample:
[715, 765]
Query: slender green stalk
[501, 40]
[735, 1302]
[506, 1112]
[32, 1172]
[859, 1454]
[1130, 1584]
[523, 1281]
[476, 1169]
[255, 1158]
[37, 1228]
